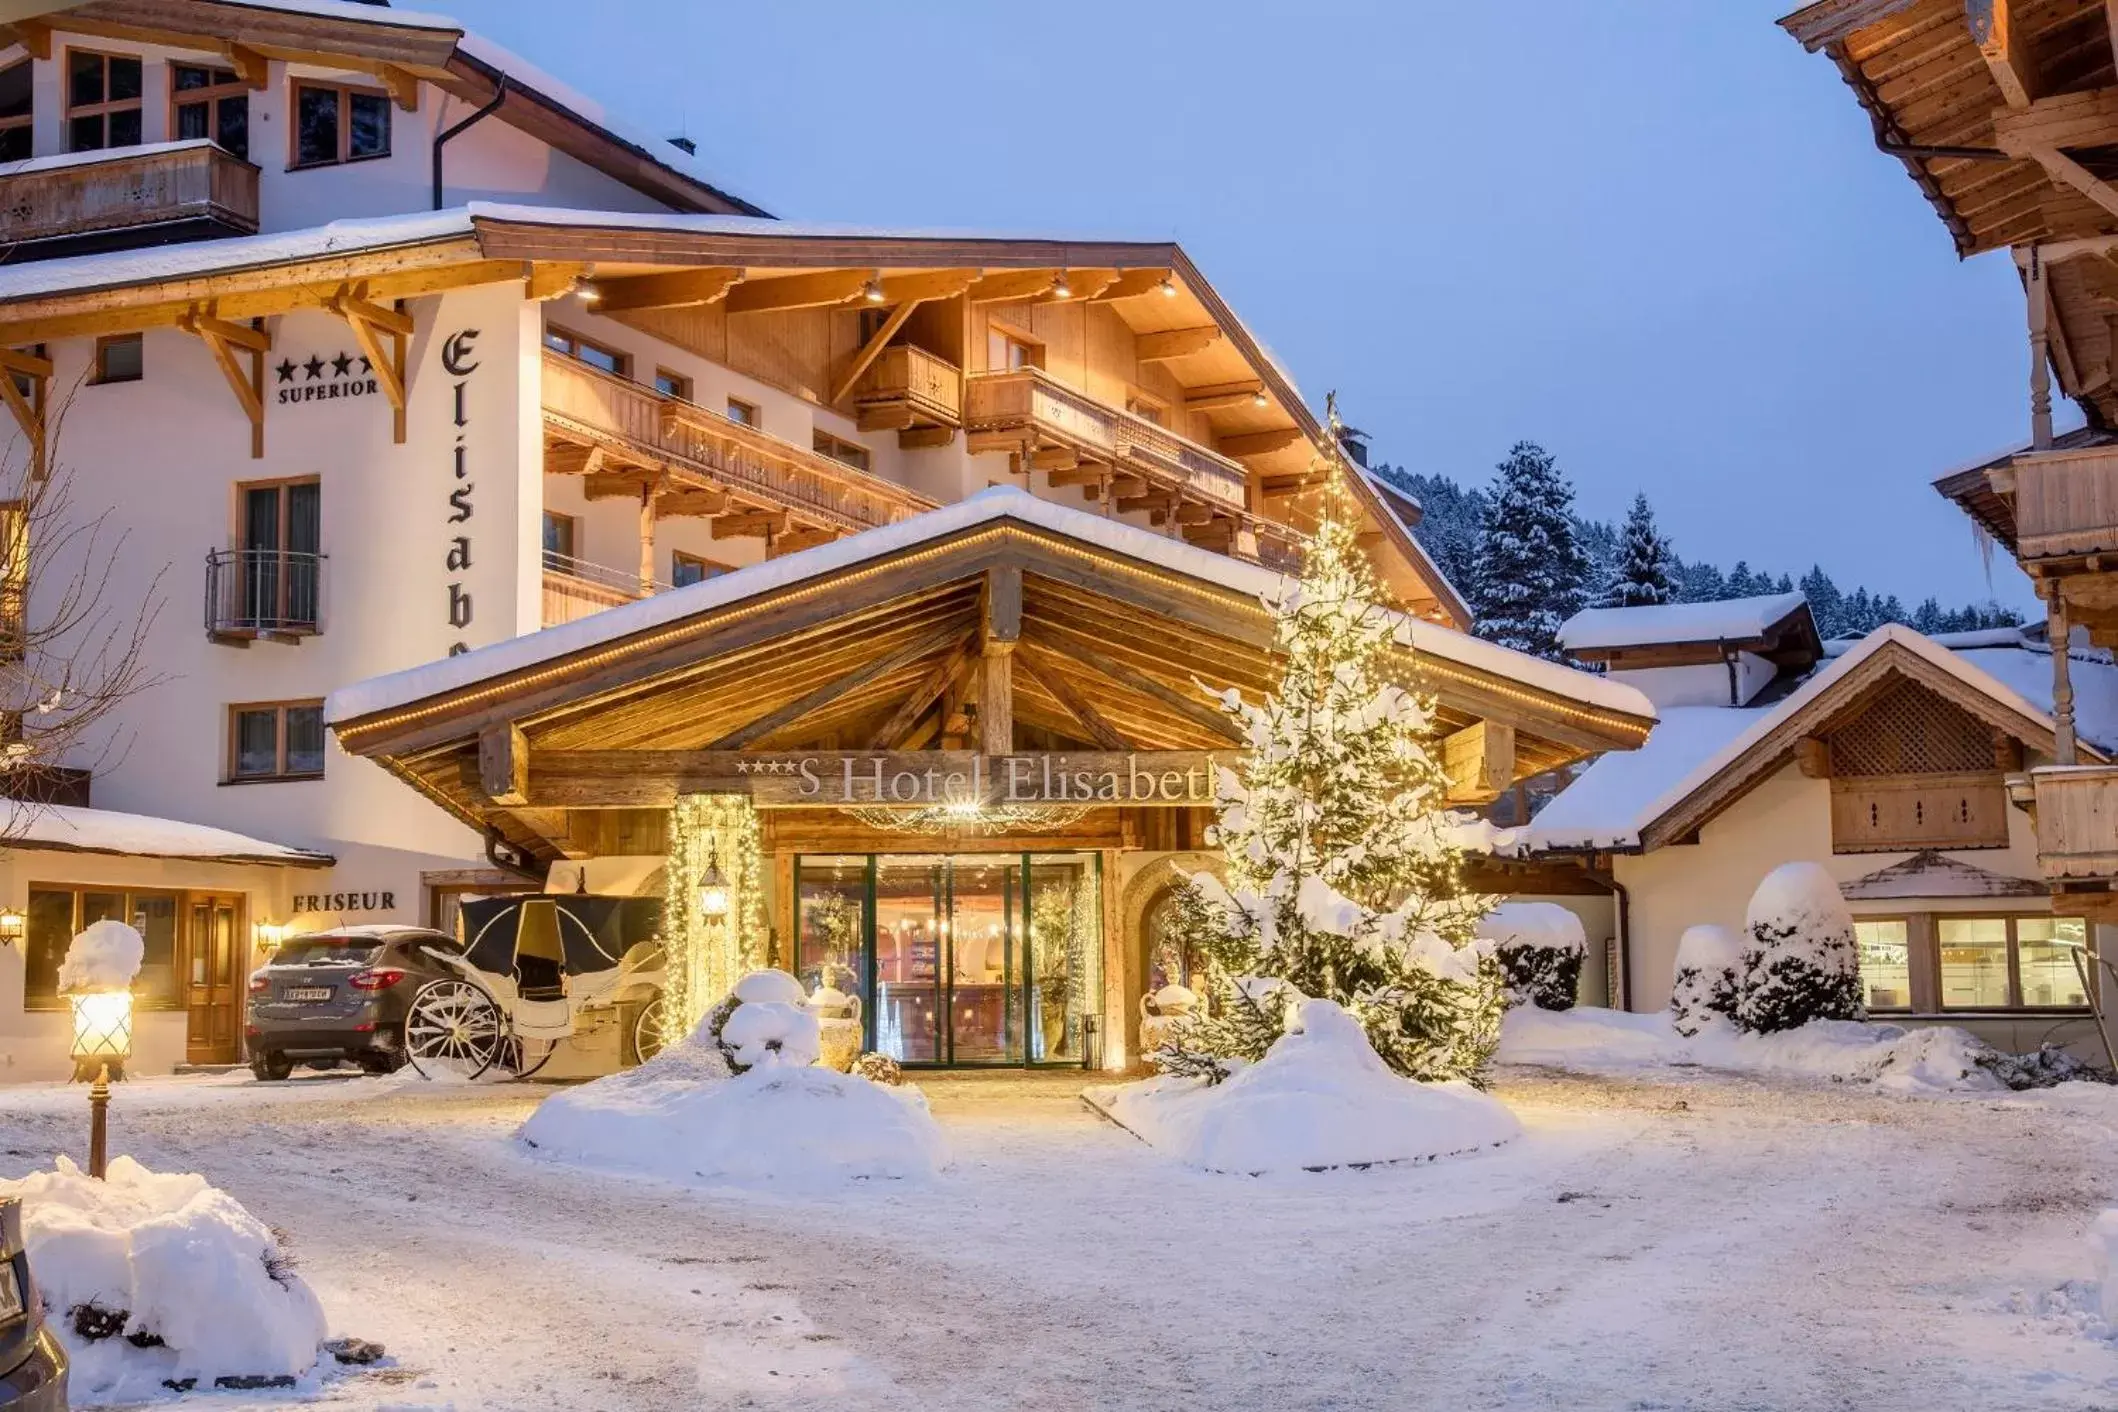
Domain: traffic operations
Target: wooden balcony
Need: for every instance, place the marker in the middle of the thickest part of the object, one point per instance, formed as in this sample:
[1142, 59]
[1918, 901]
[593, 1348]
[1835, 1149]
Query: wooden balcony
[2066, 502]
[575, 588]
[627, 429]
[2077, 821]
[1026, 410]
[908, 389]
[119, 199]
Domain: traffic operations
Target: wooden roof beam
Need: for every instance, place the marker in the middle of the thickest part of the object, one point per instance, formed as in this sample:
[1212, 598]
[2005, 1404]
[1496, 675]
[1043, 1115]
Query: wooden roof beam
[872, 349]
[750, 524]
[1221, 397]
[253, 68]
[1130, 284]
[785, 715]
[927, 284]
[1047, 673]
[892, 732]
[222, 338]
[2004, 47]
[1010, 285]
[2066, 120]
[675, 289]
[820, 290]
[34, 36]
[1259, 443]
[1175, 343]
[370, 323]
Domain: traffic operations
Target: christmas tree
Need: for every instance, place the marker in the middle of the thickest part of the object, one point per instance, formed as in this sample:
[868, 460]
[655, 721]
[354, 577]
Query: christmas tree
[1531, 569]
[1645, 576]
[1344, 865]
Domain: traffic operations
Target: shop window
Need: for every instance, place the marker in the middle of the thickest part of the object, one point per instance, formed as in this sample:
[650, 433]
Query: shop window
[17, 111]
[831, 941]
[744, 413]
[57, 912]
[121, 358]
[1008, 351]
[102, 101]
[687, 569]
[560, 539]
[281, 741]
[1998, 963]
[208, 102]
[587, 350]
[335, 124]
[846, 453]
[1886, 962]
[671, 384]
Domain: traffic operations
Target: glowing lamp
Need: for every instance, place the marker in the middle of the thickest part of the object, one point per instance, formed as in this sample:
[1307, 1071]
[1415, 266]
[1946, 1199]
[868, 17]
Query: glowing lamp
[12, 925]
[1062, 288]
[713, 888]
[269, 935]
[1259, 399]
[872, 291]
[1168, 287]
[102, 1027]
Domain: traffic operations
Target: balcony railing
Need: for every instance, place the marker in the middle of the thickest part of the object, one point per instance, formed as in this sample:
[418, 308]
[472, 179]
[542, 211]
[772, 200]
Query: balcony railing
[1028, 400]
[710, 451]
[575, 588]
[2066, 502]
[909, 387]
[269, 593]
[2077, 821]
[123, 197]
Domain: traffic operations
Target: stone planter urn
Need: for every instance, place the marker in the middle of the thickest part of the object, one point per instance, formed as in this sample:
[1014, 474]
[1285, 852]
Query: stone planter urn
[1164, 1014]
[838, 1016]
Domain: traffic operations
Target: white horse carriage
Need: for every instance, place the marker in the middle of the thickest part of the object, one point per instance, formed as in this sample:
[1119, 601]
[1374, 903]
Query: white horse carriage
[539, 971]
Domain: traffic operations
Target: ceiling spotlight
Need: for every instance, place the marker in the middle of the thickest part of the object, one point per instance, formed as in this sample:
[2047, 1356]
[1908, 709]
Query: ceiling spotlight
[587, 290]
[1168, 287]
[872, 291]
[1259, 399]
[1060, 288]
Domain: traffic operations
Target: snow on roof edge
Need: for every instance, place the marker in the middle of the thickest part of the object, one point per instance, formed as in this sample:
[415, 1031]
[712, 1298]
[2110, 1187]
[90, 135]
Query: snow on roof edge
[1000, 502]
[1722, 619]
[89, 830]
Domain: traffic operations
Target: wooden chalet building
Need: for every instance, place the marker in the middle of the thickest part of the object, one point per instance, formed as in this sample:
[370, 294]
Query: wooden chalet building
[2005, 115]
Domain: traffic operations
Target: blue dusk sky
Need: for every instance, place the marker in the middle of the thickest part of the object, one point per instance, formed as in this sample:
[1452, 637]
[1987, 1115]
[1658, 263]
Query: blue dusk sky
[1653, 236]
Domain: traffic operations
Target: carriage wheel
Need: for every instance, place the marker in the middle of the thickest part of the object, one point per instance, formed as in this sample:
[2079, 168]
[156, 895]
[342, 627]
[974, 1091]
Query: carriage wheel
[650, 1035]
[452, 1030]
[525, 1056]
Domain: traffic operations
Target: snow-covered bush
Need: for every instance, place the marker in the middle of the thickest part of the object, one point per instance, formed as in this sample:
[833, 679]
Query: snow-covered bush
[777, 1027]
[106, 955]
[879, 1069]
[1540, 947]
[2049, 1067]
[1704, 986]
[1800, 960]
[152, 1277]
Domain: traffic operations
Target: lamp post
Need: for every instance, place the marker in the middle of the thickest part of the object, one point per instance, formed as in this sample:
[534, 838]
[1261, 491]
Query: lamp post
[12, 926]
[713, 887]
[102, 1039]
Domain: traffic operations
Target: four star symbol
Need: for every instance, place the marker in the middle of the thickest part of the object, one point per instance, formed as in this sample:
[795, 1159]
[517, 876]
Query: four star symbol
[314, 367]
[765, 767]
[286, 370]
[341, 365]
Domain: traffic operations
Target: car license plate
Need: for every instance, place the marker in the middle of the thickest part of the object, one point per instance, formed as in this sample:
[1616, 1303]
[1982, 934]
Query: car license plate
[309, 992]
[10, 1293]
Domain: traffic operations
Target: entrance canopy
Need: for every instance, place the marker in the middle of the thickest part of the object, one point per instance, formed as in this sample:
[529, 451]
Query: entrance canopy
[1003, 649]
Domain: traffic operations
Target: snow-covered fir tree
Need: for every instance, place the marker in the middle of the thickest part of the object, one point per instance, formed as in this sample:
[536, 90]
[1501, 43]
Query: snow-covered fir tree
[1801, 959]
[1645, 576]
[1531, 572]
[1344, 864]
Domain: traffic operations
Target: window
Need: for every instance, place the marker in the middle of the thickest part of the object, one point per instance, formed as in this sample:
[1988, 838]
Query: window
[335, 124]
[277, 742]
[102, 101]
[1995, 963]
[743, 412]
[57, 912]
[16, 111]
[586, 350]
[1146, 407]
[687, 569]
[847, 453]
[559, 540]
[211, 103]
[1886, 962]
[671, 384]
[1007, 350]
[120, 358]
[282, 542]
[14, 584]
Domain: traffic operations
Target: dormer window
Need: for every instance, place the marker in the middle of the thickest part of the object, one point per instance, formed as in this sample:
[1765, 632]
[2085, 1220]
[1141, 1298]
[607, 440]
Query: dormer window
[16, 111]
[102, 101]
[211, 103]
[334, 124]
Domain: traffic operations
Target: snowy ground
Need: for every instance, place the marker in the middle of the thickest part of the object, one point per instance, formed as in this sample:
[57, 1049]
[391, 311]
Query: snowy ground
[1685, 1240]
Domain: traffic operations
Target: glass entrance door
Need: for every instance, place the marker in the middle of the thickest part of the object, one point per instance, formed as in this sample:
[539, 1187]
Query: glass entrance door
[971, 959]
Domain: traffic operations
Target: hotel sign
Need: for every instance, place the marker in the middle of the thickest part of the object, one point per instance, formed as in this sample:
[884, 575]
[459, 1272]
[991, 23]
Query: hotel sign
[826, 779]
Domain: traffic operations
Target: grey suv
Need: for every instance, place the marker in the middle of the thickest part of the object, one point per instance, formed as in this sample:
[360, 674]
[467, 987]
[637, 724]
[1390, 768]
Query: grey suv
[32, 1366]
[340, 994]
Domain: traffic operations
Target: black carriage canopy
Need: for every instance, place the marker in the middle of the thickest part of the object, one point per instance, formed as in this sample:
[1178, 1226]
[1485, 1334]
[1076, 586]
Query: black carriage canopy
[580, 934]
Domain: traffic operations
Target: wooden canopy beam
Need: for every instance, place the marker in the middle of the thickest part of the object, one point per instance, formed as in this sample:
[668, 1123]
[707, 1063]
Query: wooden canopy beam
[675, 289]
[370, 322]
[1479, 761]
[402, 87]
[891, 733]
[34, 36]
[1259, 443]
[785, 715]
[28, 411]
[2066, 120]
[812, 291]
[927, 284]
[2004, 48]
[750, 524]
[2067, 172]
[504, 764]
[1217, 399]
[1175, 343]
[253, 68]
[1008, 286]
[872, 349]
[222, 338]
[1082, 287]
[1046, 673]
[1197, 712]
[1131, 284]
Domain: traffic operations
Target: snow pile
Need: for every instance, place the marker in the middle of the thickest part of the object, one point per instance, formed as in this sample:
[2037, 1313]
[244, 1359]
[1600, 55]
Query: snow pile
[1801, 961]
[2103, 1249]
[1540, 947]
[1703, 989]
[104, 957]
[173, 1277]
[683, 1118]
[1320, 1098]
[1938, 1059]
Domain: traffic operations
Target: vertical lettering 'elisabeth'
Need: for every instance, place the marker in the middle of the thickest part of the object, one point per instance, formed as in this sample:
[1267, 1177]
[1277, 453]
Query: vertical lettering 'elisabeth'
[457, 361]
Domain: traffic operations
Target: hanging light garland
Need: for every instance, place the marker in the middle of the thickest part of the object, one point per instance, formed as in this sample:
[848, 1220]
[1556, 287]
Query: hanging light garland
[713, 912]
[972, 817]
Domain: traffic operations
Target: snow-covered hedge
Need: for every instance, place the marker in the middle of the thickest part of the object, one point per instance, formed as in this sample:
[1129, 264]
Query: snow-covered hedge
[1800, 960]
[152, 1278]
[1704, 986]
[1540, 947]
[1320, 1098]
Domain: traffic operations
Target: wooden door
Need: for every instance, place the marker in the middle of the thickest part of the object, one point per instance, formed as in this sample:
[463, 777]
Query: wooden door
[213, 977]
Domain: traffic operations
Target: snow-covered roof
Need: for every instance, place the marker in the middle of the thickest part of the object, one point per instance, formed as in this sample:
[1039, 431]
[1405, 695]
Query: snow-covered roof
[1620, 795]
[67, 828]
[988, 506]
[60, 160]
[1729, 620]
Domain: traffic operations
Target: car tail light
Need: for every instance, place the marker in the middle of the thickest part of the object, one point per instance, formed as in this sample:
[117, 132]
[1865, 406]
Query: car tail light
[368, 1028]
[259, 985]
[379, 979]
[252, 1030]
